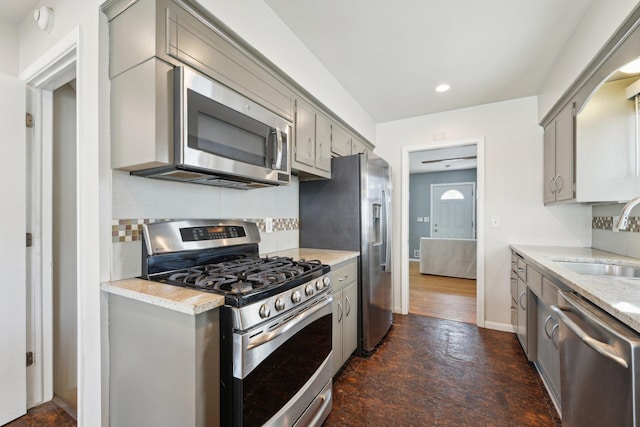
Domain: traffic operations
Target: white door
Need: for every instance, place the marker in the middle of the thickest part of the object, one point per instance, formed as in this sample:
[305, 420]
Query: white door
[453, 210]
[13, 393]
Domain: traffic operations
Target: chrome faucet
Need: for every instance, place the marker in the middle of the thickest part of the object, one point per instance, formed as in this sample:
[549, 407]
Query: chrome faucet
[623, 221]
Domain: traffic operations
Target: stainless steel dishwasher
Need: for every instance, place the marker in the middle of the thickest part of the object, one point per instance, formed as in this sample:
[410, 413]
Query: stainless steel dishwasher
[598, 366]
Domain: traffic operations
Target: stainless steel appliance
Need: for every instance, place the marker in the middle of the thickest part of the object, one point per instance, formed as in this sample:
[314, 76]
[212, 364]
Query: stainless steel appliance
[222, 138]
[599, 359]
[275, 324]
[352, 211]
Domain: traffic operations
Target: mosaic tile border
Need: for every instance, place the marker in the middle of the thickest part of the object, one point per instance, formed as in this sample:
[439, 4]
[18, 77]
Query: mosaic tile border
[606, 223]
[130, 230]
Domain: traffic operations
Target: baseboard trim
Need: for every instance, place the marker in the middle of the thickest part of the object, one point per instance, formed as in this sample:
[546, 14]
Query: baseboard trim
[504, 327]
[67, 408]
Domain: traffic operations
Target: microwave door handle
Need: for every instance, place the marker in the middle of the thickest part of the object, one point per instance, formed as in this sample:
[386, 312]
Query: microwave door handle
[278, 164]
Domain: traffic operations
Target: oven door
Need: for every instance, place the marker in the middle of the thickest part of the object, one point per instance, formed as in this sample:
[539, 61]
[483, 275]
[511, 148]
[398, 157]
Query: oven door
[281, 367]
[220, 130]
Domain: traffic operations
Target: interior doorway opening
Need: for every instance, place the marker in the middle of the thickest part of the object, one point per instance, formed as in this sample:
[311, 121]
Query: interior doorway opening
[52, 219]
[443, 274]
[64, 249]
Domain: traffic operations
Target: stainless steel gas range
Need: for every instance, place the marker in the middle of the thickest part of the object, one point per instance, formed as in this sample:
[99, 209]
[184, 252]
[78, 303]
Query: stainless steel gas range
[275, 325]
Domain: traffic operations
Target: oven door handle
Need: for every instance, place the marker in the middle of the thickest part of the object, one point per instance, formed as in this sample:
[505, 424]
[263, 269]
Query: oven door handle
[286, 326]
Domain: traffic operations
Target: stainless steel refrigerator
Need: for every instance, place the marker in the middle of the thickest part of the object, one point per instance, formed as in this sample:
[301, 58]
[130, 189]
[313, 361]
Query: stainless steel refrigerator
[352, 211]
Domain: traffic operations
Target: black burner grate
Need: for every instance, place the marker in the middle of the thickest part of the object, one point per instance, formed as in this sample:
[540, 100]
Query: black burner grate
[244, 275]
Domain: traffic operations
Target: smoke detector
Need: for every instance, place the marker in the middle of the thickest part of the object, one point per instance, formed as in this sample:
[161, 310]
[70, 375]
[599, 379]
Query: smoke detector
[44, 17]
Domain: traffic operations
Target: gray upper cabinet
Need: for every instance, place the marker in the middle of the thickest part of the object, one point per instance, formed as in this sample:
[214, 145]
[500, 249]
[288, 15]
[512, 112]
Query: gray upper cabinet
[358, 146]
[597, 113]
[305, 143]
[559, 159]
[177, 33]
[323, 142]
[312, 145]
[151, 37]
[341, 142]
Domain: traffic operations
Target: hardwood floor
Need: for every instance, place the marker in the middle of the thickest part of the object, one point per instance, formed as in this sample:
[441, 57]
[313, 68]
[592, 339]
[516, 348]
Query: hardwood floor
[435, 372]
[442, 297]
[46, 415]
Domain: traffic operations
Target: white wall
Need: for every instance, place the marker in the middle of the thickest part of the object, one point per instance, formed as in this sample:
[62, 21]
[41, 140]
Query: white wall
[513, 187]
[138, 197]
[599, 23]
[8, 47]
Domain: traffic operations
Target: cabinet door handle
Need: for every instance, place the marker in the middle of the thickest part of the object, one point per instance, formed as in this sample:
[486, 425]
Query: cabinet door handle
[309, 147]
[552, 185]
[546, 330]
[555, 183]
[556, 341]
[339, 312]
[348, 304]
[520, 300]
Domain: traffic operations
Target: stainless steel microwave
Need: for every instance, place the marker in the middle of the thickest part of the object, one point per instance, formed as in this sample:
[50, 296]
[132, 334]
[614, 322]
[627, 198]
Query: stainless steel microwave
[223, 138]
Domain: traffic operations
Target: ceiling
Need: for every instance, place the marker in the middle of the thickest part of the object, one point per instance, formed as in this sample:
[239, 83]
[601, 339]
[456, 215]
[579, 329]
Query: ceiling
[390, 56]
[17, 10]
[443, 159]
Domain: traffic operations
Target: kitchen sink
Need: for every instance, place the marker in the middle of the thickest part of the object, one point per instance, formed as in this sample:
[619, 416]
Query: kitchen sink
[598, 269]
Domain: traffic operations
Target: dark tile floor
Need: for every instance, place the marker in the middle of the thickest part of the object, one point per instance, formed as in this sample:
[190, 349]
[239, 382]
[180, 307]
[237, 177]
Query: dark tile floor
[433, 372]
[46, 415]
[427, 372]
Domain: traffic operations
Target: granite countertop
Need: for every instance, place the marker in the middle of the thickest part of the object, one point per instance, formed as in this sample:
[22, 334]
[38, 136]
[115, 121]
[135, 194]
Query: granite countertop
[325, 256]
[620, 297]
[191, 301]
[183, 300]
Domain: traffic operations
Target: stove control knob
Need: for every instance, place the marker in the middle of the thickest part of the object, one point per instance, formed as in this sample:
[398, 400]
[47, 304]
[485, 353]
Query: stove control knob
[264, 311]
[280, 304]
[309, 290]
[296, 297]
[326, 280]
[319, 285]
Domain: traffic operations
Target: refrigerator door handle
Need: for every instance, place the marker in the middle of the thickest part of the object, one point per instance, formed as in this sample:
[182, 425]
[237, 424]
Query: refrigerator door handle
[384, 233]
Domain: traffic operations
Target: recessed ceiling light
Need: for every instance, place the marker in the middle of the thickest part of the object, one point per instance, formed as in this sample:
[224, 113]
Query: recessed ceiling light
[632, 67]
[443, 87]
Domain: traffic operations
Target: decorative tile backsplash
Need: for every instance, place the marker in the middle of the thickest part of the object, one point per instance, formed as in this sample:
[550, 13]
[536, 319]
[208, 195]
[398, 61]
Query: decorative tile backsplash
[606, 223]
[130, 230]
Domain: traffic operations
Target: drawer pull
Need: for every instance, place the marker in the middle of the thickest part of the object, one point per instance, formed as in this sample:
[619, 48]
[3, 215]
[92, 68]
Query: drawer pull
[342, 279]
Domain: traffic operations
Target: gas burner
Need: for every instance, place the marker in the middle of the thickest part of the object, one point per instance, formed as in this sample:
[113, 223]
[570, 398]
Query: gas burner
[244, 275]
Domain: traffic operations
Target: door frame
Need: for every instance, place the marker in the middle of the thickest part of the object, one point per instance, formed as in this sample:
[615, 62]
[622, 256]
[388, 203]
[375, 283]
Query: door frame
[55, 68]
[473, 206]
[479, 142]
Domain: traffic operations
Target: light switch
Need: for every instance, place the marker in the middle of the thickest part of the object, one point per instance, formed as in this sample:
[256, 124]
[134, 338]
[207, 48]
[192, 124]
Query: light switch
[268, 225]
[427, 219]
[420, 219]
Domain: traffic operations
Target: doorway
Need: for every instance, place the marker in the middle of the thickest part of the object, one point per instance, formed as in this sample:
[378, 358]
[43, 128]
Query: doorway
[52, 219]
[450, 294]
[64, 249]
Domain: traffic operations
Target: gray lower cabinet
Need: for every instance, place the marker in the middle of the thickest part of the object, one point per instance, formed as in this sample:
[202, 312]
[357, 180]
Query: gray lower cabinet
[532, 295]
[547, 357]
[548, 353]
[345, 312]
[164, 366]
[522, 315]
